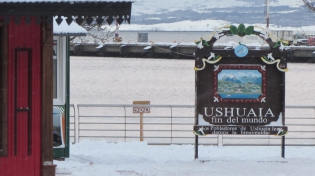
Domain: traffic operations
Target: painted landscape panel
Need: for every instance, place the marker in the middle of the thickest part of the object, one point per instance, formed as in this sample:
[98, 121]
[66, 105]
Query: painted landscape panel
[241, 84]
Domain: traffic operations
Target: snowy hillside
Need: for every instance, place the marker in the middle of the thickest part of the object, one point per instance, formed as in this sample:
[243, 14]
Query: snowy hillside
[282, 12]
[141, 7]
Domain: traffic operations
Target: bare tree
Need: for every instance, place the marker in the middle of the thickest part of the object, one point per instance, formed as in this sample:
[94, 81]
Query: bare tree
[310, 4]
[97, 33]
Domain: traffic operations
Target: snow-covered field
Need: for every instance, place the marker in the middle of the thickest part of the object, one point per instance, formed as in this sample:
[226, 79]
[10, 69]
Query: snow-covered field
[99, 158]
[109, 80]
[163, 81]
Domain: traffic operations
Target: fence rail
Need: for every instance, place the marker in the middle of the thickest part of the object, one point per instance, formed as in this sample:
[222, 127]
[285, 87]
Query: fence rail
[173, 124]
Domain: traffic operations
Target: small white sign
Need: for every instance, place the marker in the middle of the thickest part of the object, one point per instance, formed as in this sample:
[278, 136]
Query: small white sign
[141, 109]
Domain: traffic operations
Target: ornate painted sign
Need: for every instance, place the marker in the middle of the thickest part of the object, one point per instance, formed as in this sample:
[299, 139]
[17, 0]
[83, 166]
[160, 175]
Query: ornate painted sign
[241, 90]
[241, 51]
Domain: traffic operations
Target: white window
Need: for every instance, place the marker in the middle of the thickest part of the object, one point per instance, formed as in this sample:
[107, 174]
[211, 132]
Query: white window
[59, 78]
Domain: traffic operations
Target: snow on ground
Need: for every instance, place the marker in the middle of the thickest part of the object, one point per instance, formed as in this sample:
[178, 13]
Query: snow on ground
[99, 158]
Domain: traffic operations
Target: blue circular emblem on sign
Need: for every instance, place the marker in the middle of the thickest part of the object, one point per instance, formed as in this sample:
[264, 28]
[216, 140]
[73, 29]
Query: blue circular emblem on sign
[241, 51]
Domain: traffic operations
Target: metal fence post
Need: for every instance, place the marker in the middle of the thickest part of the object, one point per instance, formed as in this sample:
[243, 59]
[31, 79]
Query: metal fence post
[76, 123]
[220, 140]
[171, 125]
[74, 128]
[125, 124]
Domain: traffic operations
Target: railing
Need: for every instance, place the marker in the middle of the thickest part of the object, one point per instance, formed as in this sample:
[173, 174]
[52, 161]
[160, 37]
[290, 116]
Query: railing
[173, 124]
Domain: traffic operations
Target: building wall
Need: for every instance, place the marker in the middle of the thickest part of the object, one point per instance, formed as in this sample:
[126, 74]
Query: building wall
[24, 90]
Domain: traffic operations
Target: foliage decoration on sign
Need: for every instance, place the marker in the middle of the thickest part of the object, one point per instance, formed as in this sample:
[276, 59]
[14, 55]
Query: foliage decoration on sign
[241, 30]
[281, 132]
[201, 43]
[281, 45]
[277, 44]
[205, 46]
[199, 132]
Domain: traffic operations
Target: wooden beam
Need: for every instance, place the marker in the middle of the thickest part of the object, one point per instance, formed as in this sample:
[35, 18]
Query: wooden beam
[48, 168]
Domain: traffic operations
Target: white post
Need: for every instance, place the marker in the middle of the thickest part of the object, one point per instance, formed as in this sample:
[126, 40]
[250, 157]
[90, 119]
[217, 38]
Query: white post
[141, 127]
[220, 140]
[76, 123]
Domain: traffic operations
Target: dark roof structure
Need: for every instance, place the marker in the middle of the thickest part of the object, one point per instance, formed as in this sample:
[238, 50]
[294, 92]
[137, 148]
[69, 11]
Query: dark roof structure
[91, 11]
[65, 29]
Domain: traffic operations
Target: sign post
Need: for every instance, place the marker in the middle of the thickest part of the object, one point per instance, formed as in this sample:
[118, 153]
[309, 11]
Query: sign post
[240, 90]
[141, 109]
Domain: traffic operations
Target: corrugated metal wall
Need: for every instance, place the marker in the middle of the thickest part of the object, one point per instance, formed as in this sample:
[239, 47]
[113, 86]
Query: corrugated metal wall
[24, 92]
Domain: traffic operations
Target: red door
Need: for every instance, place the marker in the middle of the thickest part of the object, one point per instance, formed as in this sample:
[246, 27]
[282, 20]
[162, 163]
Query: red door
[24, 55]
[23, 102]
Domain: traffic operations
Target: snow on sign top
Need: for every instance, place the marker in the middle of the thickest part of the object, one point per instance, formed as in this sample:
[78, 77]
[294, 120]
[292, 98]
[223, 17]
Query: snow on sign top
[39, 1]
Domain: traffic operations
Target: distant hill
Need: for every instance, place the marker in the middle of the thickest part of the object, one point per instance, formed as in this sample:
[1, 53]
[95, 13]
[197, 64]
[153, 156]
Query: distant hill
[282, 12]
[231, 78]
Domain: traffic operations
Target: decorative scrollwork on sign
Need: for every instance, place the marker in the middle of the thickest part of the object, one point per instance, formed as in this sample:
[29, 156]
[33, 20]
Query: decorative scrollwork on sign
[212, 56]
[218, 58]
[263, 100]
[270, 60]
[241, 51]
[199, 132]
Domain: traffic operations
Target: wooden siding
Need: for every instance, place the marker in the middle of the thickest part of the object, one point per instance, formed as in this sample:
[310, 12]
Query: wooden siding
[47, 100]
[3, 92]
[24, 145]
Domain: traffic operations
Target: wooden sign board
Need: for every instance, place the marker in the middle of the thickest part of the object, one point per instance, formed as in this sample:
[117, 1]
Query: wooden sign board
[243, 98]
[240, 90]
[141, 109]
